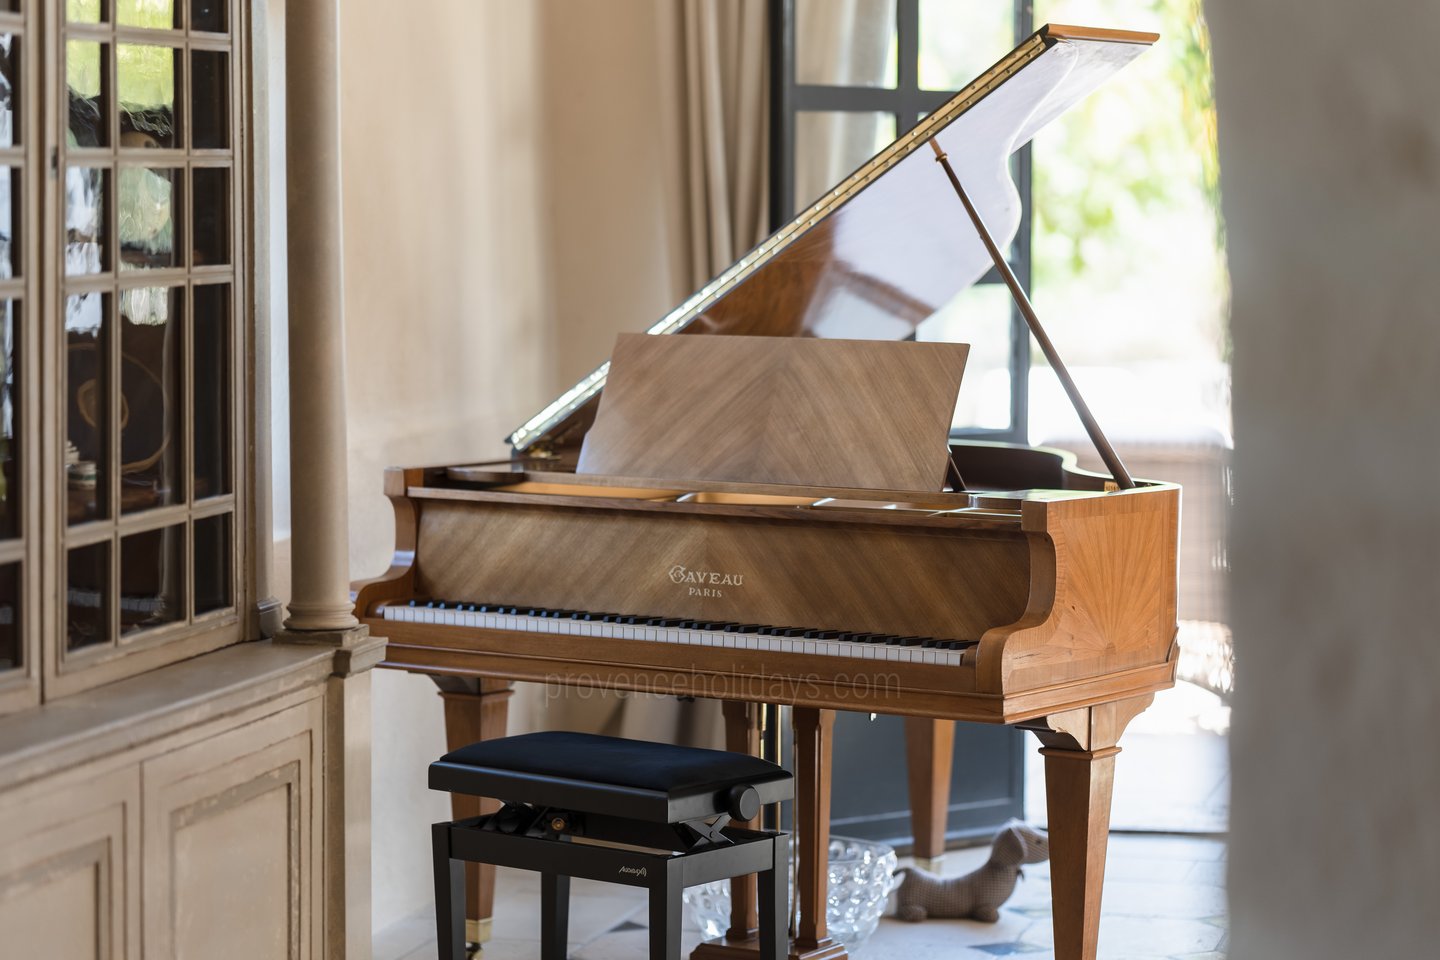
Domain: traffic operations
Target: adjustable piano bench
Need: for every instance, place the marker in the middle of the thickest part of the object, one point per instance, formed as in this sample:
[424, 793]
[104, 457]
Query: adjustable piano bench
[571, 798]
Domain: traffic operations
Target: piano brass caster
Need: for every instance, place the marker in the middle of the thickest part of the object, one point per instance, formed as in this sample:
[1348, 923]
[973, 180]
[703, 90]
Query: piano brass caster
[477, 933]
[931, 864]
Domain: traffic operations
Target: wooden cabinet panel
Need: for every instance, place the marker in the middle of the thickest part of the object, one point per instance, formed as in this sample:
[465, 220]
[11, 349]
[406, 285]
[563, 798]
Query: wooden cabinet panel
[232, 842]
[69, 868]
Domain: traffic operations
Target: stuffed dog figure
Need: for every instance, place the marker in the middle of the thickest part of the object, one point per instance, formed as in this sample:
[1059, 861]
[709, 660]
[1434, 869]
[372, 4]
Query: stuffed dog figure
[978, 894]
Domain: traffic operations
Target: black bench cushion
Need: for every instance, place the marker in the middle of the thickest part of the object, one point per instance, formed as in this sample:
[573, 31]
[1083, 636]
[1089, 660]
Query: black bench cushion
[533, 767]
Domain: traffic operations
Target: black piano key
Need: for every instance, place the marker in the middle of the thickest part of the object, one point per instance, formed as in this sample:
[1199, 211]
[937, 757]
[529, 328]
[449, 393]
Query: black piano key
[414, 603]
[929, 642]
[793, 632]
[829, 634]
[910, 641]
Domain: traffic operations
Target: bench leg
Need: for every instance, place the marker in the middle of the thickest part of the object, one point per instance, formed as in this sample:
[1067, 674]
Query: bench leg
[775, 904]
[666, 905]
[449, 896]
[554, 915]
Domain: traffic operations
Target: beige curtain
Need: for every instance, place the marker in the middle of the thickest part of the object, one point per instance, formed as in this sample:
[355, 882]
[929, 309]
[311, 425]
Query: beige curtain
[715, 53]
[713, 131]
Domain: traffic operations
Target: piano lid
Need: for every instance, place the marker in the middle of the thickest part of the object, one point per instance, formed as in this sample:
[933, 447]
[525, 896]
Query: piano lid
[890, 245]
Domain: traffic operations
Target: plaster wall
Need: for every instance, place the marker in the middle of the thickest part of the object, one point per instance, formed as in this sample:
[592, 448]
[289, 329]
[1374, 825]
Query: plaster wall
[1330, 166]
[501, 226]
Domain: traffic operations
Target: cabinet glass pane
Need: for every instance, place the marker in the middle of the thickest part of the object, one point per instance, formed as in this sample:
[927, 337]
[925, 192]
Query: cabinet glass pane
[213, 578]
[87, 190]
[9, 89]
[9, 421]
[152, 579]
[149, 217]
[151, 397]
[82, 11]
[11, 201]
[209, 100]
[87, 596]
[87, 461]
[208, 15]
[960, 41]
[980, 316]
[12, 649]
[145, 78]
[86, 76]
[212, 385]
[210, 205]
[845, 44]
[829, 146]
[152, 14]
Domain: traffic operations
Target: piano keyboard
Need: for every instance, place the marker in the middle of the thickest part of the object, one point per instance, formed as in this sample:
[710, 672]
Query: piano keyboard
[700, 633]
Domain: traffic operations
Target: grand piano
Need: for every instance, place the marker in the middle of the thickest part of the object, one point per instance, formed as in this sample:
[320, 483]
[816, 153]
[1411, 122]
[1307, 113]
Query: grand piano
[759, 502]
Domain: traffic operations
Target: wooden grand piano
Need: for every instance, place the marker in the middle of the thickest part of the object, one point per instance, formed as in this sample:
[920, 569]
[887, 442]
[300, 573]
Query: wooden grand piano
[785, 521]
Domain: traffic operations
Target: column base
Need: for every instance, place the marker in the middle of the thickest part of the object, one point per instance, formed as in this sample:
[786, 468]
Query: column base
[935, 864]
[724, 948]
[355, 650]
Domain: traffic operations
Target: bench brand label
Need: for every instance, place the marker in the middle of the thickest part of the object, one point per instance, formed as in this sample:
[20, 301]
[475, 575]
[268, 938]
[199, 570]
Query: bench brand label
[704, 583]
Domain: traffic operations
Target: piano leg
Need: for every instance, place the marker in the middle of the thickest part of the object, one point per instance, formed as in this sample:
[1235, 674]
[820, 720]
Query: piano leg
[1080, 750]
[474, 710]
[813, 739]
[929, 754]
[742, 735]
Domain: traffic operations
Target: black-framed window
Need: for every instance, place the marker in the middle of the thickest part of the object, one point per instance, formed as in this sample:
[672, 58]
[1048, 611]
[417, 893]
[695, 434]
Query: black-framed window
[850, 78]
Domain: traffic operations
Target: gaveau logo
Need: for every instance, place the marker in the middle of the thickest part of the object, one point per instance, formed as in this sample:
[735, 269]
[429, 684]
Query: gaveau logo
[704, 583]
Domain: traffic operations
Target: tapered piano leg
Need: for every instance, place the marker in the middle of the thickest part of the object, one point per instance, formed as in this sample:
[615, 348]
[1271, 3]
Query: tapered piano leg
[1080, 750]
[814, 738]
[475, 710]
[811, 838]
[929, 754]
[742, 735]
[1077, 785]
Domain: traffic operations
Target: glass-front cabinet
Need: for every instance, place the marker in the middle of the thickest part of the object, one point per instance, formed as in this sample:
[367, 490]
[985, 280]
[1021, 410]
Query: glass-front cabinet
[122, 335]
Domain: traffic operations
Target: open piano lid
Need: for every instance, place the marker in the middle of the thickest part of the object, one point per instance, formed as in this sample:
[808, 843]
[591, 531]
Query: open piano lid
[892, 244]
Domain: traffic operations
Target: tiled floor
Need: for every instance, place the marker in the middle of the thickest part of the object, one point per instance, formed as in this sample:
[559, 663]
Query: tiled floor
[1164, 898]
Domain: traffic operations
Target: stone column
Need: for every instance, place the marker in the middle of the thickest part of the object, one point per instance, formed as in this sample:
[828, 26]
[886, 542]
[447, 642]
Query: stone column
[320, 608]
[320, 585]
